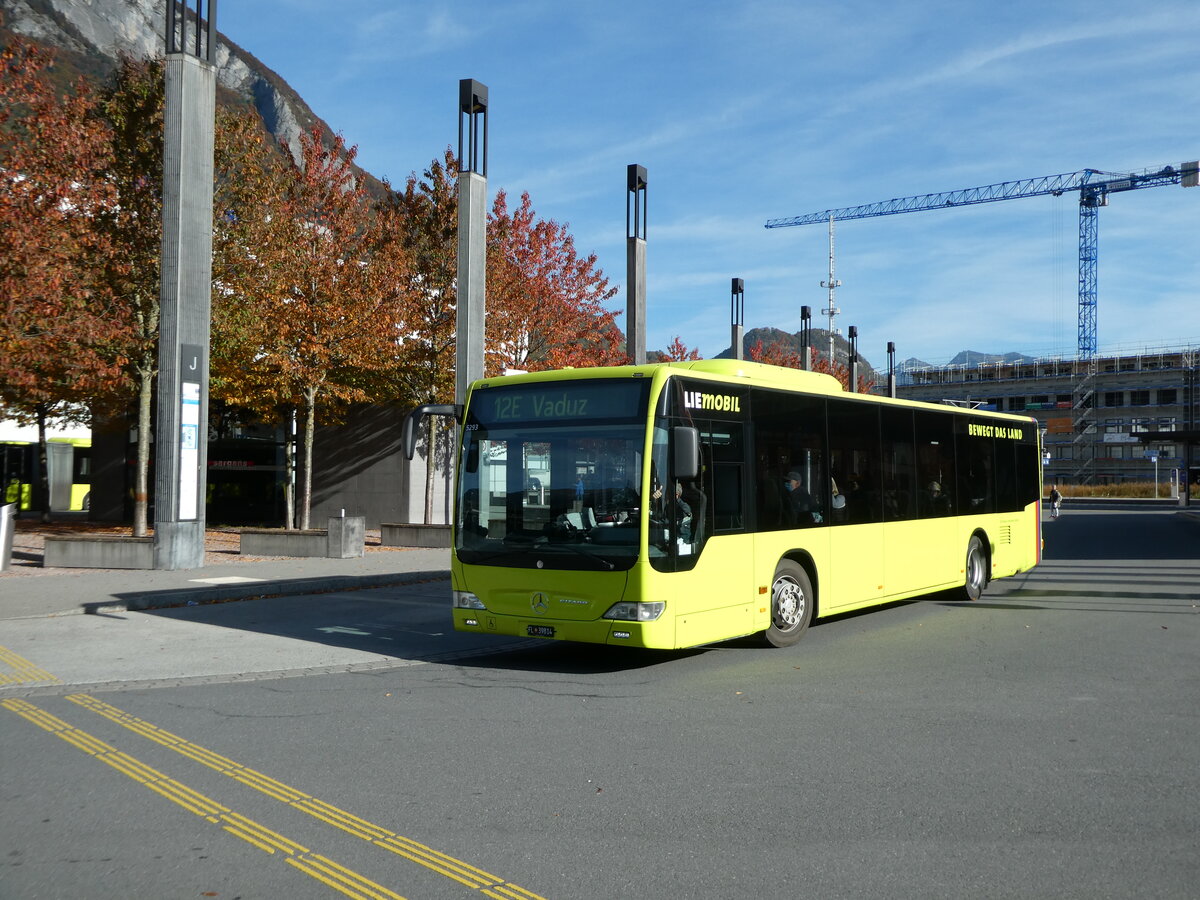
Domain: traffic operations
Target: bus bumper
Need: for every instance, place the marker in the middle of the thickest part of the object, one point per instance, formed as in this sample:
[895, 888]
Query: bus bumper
[659, 634]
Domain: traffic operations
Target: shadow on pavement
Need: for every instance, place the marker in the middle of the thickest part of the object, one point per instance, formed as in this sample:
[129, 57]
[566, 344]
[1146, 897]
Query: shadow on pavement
[405, 616]
[563, 658]
[1148, 534]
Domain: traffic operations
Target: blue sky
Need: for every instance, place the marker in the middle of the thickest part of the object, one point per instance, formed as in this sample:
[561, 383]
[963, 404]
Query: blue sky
[765, 109]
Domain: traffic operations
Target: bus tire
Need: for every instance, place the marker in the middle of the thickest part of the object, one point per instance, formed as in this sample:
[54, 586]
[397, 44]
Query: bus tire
[791, 605]
[976, 568]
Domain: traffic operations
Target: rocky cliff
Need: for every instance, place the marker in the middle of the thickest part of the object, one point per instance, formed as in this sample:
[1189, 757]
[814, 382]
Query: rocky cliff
[90, 34]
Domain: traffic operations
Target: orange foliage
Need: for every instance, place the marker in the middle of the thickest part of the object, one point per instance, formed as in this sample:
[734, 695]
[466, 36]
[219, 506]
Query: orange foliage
[545, 302]
[779, 354]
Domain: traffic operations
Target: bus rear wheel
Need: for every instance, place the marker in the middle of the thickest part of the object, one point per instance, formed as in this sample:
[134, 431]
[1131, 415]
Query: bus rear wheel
[976, 579]
[791, 605]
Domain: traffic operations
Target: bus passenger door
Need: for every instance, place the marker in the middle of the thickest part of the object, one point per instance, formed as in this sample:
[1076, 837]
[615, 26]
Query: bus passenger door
[855, 505]
[716, 597]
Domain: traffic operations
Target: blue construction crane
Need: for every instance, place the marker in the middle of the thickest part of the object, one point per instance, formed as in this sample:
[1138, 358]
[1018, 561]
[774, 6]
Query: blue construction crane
[1094, 187]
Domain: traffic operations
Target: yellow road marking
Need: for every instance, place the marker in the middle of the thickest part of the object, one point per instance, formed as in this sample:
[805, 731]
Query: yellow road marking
[341, 879]
[24, 672]
[434, 860]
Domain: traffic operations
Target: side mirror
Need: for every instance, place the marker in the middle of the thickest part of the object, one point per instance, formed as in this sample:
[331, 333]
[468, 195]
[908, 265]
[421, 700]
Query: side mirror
[408, 432]
[686, 461]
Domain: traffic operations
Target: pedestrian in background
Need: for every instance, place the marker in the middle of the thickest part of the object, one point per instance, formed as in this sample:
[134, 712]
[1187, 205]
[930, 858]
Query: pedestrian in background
[1055, 501]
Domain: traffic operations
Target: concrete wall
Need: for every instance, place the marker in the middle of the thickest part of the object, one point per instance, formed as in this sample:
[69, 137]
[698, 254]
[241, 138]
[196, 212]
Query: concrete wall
[359, 466]
[99, 552]
[396, 535]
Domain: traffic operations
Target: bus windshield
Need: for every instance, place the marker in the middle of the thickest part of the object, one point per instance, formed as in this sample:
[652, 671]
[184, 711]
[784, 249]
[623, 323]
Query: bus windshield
[550, 474]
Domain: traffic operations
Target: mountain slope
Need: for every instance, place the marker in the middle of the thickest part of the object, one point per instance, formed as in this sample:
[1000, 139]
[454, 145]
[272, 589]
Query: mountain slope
[90, 37]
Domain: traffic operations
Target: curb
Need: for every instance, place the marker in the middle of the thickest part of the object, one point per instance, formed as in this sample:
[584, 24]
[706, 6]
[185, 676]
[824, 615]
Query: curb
[202, 595]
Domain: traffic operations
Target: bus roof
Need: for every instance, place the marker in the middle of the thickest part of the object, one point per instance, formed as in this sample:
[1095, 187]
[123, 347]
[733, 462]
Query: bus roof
[760, 374]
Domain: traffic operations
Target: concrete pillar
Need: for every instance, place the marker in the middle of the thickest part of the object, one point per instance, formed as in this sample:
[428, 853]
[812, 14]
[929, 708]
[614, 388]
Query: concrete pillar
[853, 379]
[737, 317]
[181, 435]
[472, 246]
[635, 264]
[806, 338]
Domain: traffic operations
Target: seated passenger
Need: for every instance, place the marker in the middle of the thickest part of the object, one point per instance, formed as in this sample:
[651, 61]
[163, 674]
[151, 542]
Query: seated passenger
[802, 508]
[936, 503]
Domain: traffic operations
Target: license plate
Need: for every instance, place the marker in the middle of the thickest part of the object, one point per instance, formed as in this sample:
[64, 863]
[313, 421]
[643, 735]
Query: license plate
[540, 630]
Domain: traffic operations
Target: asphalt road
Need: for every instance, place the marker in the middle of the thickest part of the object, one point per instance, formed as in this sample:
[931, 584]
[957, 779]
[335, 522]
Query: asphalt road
[1043, 742]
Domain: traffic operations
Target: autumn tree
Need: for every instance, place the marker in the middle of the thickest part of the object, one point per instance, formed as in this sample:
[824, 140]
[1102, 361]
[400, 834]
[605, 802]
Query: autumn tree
[250, 177]
[56, 332]
[132, 105]
[545, 301]
[677, 351]
[420, 224]
[780, 354]
[776, 353]
[320, 316]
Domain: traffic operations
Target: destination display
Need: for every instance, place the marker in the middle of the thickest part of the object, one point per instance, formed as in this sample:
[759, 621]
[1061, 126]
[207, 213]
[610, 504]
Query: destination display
[563, 401]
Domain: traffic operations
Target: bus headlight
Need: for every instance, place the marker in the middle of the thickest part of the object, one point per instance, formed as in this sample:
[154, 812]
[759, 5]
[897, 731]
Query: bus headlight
[466, 600]
[635, 612]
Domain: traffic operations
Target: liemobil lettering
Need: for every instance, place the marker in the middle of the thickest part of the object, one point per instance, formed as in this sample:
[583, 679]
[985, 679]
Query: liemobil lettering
[716, 402]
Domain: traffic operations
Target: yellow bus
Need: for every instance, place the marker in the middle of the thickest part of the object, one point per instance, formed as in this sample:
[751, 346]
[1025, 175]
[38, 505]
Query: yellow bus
[678, 504]
[69, 473]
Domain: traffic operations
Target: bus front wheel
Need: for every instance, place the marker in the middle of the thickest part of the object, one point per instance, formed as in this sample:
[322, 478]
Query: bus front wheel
[791, 605]
[976, 579]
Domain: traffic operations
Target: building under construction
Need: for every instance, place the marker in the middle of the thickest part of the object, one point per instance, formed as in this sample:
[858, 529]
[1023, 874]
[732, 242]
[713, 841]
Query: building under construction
[1104, 420]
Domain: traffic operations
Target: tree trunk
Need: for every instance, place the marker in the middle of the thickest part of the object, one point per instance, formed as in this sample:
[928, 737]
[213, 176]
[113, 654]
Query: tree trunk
[289, 467]
[41, 498]
[430, 465]
[310, 416]
[141, 490]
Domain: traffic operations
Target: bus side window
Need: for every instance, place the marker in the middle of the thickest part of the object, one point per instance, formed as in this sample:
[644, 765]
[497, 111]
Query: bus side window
[854, 461]
[935, 464]
[898, 465]
[975, 466]
[789, 438]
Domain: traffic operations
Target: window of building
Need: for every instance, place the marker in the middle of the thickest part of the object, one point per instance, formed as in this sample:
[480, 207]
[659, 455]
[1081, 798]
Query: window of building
[1113, 398]
[1039, 398]
[1016, 403]
[1139, 398]
[1167, 396]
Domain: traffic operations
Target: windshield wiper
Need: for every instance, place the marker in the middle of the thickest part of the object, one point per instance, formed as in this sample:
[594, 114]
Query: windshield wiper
[528, 540]
[579, 551]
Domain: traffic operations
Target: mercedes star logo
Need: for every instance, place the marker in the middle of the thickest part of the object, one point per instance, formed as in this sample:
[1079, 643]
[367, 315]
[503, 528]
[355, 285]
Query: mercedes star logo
[539, 603]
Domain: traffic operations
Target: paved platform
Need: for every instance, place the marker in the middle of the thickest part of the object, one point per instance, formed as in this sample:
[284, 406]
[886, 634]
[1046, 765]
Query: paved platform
[28, 589]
